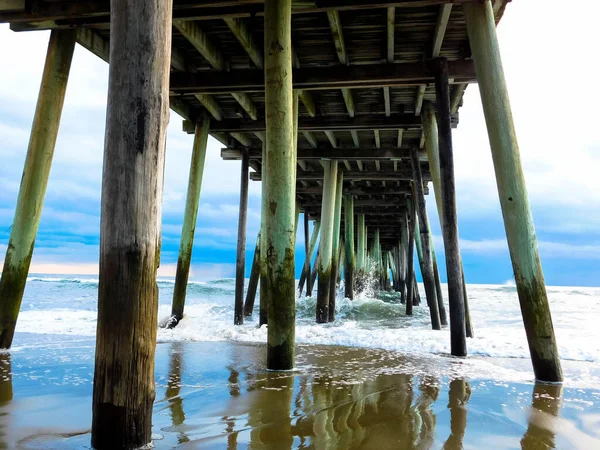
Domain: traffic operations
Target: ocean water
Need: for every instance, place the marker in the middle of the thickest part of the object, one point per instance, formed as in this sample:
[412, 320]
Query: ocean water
[57, 309]
[373, 379]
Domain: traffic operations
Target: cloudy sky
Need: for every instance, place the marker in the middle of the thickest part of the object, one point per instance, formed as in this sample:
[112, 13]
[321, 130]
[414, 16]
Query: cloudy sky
[546, 49]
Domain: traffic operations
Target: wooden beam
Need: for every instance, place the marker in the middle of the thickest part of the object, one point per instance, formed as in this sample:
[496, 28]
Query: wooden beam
[377, 139]
[355, 138]
[332, 139]
[308, 102]
[242, 139]
[310, 138]
[338, 36]
[198, 38]
[391, 32]
[440, 29]
[400, 134]
[325, 123]
[403, 175]
[457, 95]
[244, 36]
[246, 103]
[211, 105]
[356, 191]
[43, 14]
[350, 154]
[387, 101]
[315, 78]
[419, 95]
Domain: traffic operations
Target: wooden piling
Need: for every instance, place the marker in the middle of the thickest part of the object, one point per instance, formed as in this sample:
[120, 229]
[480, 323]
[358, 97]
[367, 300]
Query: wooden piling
[307, 251]
[281, 187]
[349, 263]
[313, 274]
[411, 220]
[253, 281]
[335, 245]
[240, 265]
[189, 221]
[264, 297]
[430, 129]
[427, 267]
[360, 243]
[306, 269]
[403, 257]
[376, 255]
[458, 343]
[134, 152]
[34, 180]
[518, 222]
[438, 286]
[325, 246]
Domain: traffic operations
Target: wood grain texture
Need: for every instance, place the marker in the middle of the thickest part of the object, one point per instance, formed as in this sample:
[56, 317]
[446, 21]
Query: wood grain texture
[240, 265]
[34, 181]
[188, 229]
[458, 344]
[512, 190]
[137, 118]
[281, 187]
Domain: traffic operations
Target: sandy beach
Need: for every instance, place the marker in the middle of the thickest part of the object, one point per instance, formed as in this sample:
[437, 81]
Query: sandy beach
[218, 395]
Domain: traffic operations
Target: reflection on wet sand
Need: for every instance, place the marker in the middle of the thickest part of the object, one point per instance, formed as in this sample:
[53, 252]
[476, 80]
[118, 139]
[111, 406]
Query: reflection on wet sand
[173, 389]
[342, 403]
[6, 395]
[458, 396]
[545, 409]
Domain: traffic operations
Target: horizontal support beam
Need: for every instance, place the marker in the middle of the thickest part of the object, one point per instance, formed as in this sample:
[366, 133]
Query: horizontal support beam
[325, 123]
[41, 14]
[390, 203]
[358, 191]
[354, 176]
[350, 154]
[319, 78]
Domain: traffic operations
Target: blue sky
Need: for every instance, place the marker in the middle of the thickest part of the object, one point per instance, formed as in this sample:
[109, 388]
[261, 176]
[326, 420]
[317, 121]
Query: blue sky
[556, 125]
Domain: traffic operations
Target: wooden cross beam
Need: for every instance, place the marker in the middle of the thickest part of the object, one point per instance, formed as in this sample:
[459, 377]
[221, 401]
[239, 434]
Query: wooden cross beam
[315, 78]
[403, 175]
[325, 123]
[350, 154]
[43, 14]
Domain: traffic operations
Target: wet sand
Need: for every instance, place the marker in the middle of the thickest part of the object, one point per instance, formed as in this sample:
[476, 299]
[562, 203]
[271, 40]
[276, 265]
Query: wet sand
[217, 395]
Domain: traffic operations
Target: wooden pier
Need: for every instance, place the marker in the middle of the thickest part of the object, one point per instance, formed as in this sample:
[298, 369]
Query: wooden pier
[344, 110]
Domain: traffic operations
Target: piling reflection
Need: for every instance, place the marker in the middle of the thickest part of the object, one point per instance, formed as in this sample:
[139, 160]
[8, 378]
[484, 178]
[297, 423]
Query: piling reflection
[6, 395]
[173, 390]
[545, 409]
[458, 396]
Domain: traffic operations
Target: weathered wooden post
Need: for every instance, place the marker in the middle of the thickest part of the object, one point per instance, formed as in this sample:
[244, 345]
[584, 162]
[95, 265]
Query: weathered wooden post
[253, 281]
[189, 221]
[134, 151]
[512, 191]
[240, 265]
[377, 253]
[360, 244]
[307, 251]
[411, 220]
[281, 187]
[349, 239]
[313, 274]
[325, 245]
[458, 343]
[263, 293]
[430, 128]
[438, 284]
[34, 180]
[335, 243]
[404, 232]
[427, 267]
[306, 270]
